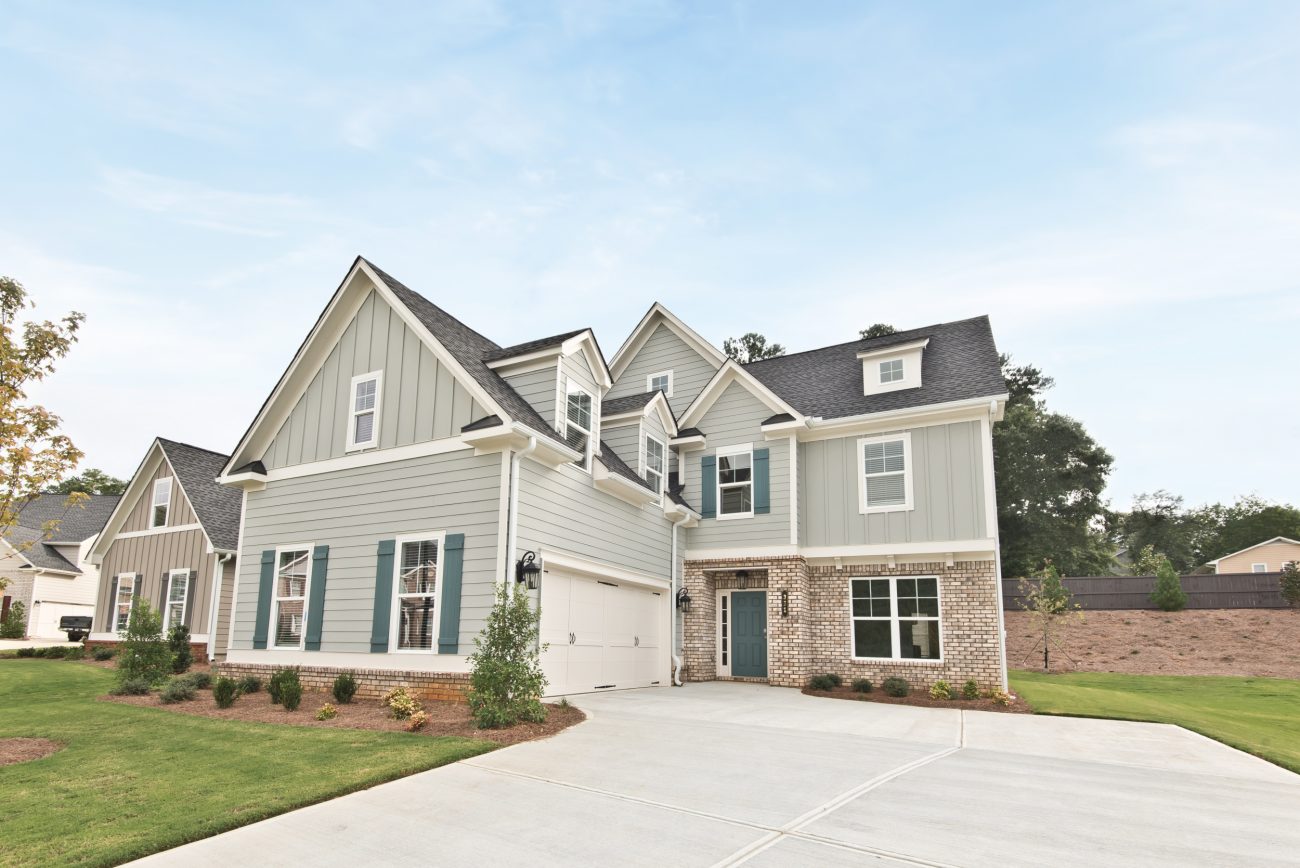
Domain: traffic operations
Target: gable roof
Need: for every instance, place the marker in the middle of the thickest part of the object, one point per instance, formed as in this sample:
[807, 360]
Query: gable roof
[30, 545]
[614, 464]
[729, 373]
[77, 523]
[626, 404]
[656, 315]
[1267, 542]
[530, 346]
[216, 506]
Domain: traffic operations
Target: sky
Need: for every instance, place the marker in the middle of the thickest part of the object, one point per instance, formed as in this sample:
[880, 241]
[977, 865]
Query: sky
[1117, 185]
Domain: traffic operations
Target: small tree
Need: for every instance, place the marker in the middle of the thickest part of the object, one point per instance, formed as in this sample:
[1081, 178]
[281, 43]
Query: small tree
[506, 682]
[1169, 594]
[751, 347]
[14, 626]
[178, 643]
[1290, 583]
[144, 652]
[1148, 562]
[1048, 602]
[878, 330]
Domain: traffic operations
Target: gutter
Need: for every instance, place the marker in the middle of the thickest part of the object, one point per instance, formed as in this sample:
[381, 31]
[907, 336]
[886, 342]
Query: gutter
[512, 516]
[673, 586]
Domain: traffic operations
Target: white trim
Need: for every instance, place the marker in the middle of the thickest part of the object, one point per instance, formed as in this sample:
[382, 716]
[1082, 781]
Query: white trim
[968, 410]
[395, 603]
[156, 531]
[1267, 542]
[658, 403]
[618, 485]
[895, 349]
[513, 367]
[644, 456]
[723, 669]
[117, 593]
[503, 523]
[730, 373]
[273, 627]
[354, 445]
[650, 378]
[570, 387]
[645, 328]
[154, 504]
[368, 458]
[965, 550]
[354, 660]
[990, 480]
[908, 503]
[185, 601]
[895, 620]
[571, 563]
[1263, 568]
[726, 452]
[794, 491]
[768, 551]
[234, 588]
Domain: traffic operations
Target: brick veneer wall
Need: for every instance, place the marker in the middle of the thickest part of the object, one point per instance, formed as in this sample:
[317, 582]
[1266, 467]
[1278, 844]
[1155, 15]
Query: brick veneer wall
[371, 683]
[198, 649]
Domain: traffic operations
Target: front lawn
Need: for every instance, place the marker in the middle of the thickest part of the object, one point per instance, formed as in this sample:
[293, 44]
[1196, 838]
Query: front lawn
[132, 781]
[1258, 715]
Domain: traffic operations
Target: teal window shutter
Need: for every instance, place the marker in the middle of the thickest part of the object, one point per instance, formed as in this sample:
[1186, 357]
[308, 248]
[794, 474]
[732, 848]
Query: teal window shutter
[265, 587]
[708, 486]
[453, 568]
[762, 483]
[383, 596]
[320, 558]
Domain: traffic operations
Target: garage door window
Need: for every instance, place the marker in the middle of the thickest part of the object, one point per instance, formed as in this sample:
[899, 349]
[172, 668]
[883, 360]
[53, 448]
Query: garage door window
[416, 589]
[896, 618]
[122, 605]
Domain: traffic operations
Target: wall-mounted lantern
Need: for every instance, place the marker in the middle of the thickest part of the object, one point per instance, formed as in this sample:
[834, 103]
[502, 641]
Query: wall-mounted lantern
[528, 572]
[683, 600]
[785, 604]
[742, 579]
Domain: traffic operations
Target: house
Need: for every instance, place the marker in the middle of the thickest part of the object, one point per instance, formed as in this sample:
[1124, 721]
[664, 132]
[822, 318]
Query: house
[171, 540]
[45, 557]
[1269, 556]
[674, 514]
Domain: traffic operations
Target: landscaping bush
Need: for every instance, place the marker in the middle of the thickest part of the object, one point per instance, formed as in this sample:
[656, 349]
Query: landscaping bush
[401, 703]
[895, 686]
[940, 690]
[103, 653]
[1169, 594]
[178, 642]
[54, 652]
[506, 681]
[14, 626]
[144, 654]
[835, 679]
[291, 692]
[177, 690]
[249, 684]
[821, 682]
[345, 687]
[1289, 582]
[1000, 697]
[418, 721]
[861, 685]
[77, 652]
[327, 712]
[225, 692]
[200, 680]
[26, 652]
[970, 690]
[132, 687]
[275, 684]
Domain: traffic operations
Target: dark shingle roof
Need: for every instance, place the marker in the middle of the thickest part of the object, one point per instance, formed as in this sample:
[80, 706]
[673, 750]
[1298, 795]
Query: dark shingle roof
[478, 424]
[30, 543]
[530, 346]
[613, 406]
[960, 362]
[217, 506]
[689, 432]
[76, 523]
[614, 464]
[779, 417]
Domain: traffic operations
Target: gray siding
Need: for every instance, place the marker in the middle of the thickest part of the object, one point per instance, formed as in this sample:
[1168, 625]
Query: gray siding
[350, 511]
[224, 608]
[733, 419]
[947, 487]
[421, 399]
[151, 556]
[538, 388]
[624, 441]
[664, 351]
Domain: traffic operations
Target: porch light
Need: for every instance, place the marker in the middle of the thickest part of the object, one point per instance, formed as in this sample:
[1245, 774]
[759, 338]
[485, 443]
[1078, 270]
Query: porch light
[528, 571]
[742, 579]
[683, 600]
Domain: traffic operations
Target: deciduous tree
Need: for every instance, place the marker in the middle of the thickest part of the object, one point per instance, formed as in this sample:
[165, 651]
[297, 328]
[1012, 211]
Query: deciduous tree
[751, 347]
[92, 481]
[878, 330]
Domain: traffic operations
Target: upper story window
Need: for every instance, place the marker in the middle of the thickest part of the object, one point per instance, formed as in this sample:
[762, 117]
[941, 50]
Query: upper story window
[885, 473]
[291, 596]
[736, 482]
[578, 423]
[162, 502]
[416, 590]
[660, 382]
[656, 463]
[363, 424]
[891, 371]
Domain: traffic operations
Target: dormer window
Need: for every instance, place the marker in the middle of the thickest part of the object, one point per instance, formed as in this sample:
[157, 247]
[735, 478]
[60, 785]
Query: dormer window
[892, 368]
[363, 424]
[660, 382]
[162, 502]
[578, 423]
[891, 371]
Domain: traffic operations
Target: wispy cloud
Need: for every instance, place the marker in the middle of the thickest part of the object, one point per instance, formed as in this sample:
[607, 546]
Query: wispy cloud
[257, 214]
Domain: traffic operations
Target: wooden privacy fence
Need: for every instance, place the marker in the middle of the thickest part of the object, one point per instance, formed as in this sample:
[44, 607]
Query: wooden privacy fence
[1218, 591]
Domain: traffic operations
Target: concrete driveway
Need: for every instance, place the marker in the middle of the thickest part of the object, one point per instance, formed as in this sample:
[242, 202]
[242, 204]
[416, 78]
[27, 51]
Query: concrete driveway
[725, 774]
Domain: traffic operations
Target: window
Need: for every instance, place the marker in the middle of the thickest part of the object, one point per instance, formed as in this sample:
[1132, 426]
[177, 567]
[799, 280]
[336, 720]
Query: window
[891, 371]
[577, 423]
[660, 382]
[885, 475]
[178, 594]
[722, 635]
[1259, 568]
[654, 464]
[363, 428]
[125, 598]
[162, 502]
[736, 482]
[291, 596]
[416, 587]
[896, 618]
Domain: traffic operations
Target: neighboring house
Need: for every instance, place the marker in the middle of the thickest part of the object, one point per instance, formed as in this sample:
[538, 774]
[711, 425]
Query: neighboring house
[171, 541]
[830, 510]
[45, 557]
[1266, 557]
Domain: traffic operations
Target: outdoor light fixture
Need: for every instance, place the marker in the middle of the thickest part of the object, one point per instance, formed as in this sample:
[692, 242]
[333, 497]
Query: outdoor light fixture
[683, 600]
[528, 571]
[742, 579]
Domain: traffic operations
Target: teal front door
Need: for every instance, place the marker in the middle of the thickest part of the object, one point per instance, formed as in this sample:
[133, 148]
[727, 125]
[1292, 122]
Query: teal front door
[749, 634]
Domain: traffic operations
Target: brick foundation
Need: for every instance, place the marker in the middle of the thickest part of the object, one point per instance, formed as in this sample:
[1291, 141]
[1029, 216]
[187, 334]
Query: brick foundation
[371, 683]
[198, 649]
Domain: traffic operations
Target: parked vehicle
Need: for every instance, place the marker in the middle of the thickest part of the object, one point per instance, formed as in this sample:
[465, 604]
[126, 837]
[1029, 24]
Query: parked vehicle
[76, 626]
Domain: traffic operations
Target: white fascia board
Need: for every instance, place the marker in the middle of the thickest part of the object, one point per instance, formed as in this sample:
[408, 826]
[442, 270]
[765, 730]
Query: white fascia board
[910, 417]
[569, 562]
[674, 511]
[782, 430]
[586, 341]
[620, 486]
[528, 361]
[895, 349]
[247, 481]
[515, 435]
[688, 444]
[730, 373]
[134, 489]
[660, 405]
[657, 404]
[641, 333]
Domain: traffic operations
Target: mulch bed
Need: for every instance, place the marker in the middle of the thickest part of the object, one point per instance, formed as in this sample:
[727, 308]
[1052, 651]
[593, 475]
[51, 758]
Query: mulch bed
[21, 750]
[922, 700]
[445, 718]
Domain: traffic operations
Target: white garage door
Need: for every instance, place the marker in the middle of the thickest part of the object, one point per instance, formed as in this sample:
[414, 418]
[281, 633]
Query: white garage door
[602, 634]
[45, 621]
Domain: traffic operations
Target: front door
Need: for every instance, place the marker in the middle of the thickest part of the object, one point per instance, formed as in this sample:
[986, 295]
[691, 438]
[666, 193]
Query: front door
[749, 634]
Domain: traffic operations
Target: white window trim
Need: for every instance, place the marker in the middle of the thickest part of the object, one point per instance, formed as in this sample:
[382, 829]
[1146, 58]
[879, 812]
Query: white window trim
[275, 599]
[185, 601]
[353, 412]
[909, 502]
[725, 451]
[570, 386]
[1263, 568]
[154, 504]
[663, 476]
[902, 371]
[650, 378]
[395, 617]
[894, 620]
[117, 594]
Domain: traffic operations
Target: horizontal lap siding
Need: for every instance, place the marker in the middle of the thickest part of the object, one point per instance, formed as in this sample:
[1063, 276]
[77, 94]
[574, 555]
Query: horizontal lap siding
[947, 490]
[665, 351]
[150, 556]
[624, 440]
[539, 389]
[350, 511]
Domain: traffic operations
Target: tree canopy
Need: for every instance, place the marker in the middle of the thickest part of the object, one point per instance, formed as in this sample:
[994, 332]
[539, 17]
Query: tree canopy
[92, 481]
[878, 330]
[751, 347]
[1191, 538]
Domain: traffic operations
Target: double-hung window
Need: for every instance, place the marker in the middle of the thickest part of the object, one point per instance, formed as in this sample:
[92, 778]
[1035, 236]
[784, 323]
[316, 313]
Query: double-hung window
[291, 572]
[578, 423]
[660, 382]
[885, 473]
[416, 590]
[896, 618]
[125, 598]
[162, 502]
[655, 463]
[736, 482]
[178, 595]
[363, 422]
[891, 371]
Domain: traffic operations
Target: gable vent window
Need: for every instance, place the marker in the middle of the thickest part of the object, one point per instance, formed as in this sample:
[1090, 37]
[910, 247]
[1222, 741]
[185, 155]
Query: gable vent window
[891, 371]
[577, 424]
[885, 473]
[363, 430]
[162, 502]
[654, 464]
[660, 382]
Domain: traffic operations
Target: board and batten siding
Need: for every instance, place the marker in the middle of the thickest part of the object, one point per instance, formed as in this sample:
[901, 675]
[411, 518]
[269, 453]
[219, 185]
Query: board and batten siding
[351, 511]
[179, 513]
[734, 419]
[540, 389]
[421, 399]
[665, 351]
[947, 490]
[151, 556]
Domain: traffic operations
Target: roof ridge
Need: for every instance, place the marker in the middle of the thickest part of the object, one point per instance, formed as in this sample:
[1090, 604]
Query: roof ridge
[895, 335]
[192, 446]
[391, 280]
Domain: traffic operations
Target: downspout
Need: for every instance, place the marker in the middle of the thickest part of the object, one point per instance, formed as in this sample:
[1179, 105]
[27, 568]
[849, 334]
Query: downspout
[512, 517]
[997, 555]
[215, 609]
[673, 586]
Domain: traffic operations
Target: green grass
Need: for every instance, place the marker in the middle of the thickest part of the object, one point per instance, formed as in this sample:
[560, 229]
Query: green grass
[133, 781]
[1258, 715]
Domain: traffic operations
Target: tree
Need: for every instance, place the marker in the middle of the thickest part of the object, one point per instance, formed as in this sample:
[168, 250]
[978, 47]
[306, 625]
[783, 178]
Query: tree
[1169, 594]
[878, 330]
[1049, 603]
[1251, 520]
[1158, 521]
[92, 481]
[506, 680]
[751, 347]
[14, 625]
[33, 454]
[144, 654]
[1290, 583]
[1148, 562]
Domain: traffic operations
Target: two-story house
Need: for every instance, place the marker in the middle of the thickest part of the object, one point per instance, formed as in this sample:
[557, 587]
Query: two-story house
[405, 468]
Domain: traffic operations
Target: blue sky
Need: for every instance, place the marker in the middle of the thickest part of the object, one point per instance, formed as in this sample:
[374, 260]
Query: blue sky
[1116, 185]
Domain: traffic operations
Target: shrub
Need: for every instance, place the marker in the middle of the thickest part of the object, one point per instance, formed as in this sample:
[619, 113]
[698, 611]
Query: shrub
[861, 685]
[418, 721]
[14, 626]
[200, 680]
[225, 692]
[1289, 582]
[1000, 697]
[291, 692]
[144, 654]
[970, 690]
[940, 690]
[77, 652]
[178, 642]
[249, 684]
[821, 682]
[1169, 594]
[345, 687]
[835, 679]
[275, 684]
[506, 681]
[103, 653]
[177, 690]
[401, 703]
[54, 652]
[328, 712]
[132, 687]
[26, 652]
[895, 686]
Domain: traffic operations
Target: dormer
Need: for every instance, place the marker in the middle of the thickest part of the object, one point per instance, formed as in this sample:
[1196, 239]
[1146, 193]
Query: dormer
[893, 368]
